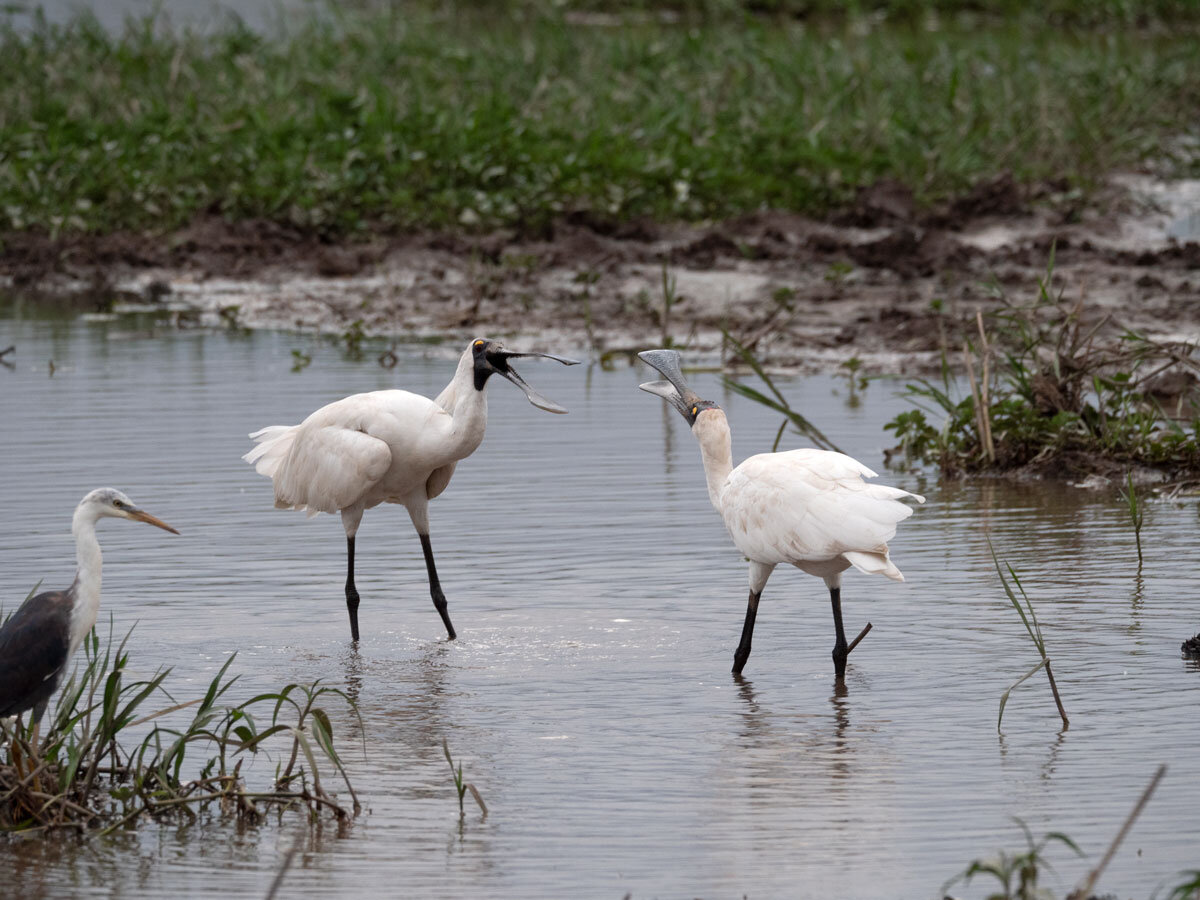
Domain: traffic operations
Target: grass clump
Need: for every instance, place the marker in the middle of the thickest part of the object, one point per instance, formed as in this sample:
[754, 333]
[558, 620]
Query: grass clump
[402, 116]
[1052, 390]
[97, 769]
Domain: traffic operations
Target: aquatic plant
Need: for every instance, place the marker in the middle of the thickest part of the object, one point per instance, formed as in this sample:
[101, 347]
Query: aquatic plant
[300, 360]
[460, 785]
[1016, 872]
[669, 299]
[776, 402]
[1188, 888]
[1051, 387]
[1034, 629]
[1136, 513]
[857, 382]
[97, 769]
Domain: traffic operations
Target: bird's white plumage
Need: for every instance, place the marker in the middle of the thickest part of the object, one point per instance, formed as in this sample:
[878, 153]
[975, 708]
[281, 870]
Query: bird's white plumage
[806, 508]
[367, 449]
[387, 447]
[812, 506]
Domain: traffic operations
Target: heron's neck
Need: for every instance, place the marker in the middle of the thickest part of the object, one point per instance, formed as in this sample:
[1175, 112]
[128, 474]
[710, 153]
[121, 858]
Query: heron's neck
[87, 575]
[716, 449]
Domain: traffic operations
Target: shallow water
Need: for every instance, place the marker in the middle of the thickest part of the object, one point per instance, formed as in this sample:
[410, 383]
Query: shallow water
[598, 603]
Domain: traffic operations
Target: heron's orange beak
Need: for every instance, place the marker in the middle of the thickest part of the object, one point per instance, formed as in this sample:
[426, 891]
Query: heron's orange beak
[142, 516]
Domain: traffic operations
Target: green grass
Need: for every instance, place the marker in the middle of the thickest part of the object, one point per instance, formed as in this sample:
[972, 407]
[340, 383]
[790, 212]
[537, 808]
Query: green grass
[1096, 13]
[398, 118]
[95, 768]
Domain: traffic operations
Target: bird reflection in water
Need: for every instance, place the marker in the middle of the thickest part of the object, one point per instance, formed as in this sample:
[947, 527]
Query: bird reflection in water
[834, 745]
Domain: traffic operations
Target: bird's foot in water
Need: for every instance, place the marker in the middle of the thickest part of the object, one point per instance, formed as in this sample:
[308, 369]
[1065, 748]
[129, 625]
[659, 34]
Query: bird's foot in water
[839, 662]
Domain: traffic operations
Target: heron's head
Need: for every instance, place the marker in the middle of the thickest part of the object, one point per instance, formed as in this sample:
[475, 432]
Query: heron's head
[109, 502]
[491, 358]
[675, 390]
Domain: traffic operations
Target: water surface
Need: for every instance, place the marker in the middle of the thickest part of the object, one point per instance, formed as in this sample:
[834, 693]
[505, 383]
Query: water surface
[598, 602]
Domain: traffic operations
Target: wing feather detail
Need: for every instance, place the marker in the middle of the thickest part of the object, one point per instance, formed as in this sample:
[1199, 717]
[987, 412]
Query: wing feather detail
[34, 647]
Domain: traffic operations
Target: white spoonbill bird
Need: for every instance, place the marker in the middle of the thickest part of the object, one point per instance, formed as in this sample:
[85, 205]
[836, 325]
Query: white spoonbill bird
[806, 508]
[388, 447]
[39, 639]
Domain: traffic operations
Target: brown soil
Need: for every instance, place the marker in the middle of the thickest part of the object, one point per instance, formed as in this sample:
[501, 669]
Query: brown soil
[805, 295]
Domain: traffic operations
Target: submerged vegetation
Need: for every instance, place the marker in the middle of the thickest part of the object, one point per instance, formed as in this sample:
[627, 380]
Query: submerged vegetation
[95, 768]
[408, 116]
[1053, 389]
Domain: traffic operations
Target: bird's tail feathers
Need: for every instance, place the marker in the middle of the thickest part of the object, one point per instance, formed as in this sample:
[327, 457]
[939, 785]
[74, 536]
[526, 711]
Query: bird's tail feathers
[887, 492]
[873, 563]
[272, 445]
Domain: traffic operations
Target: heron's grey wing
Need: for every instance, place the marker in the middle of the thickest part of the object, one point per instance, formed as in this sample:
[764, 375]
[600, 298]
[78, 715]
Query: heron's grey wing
[33, 651]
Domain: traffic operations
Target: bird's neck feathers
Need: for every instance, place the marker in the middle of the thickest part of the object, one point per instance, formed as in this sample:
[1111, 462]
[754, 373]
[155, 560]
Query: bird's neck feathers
[716, 449]
[460, 385]
[467, 406]
[87, 575]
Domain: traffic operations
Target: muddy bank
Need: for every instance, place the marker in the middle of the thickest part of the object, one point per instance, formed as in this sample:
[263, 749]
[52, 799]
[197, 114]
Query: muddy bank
[806, 295]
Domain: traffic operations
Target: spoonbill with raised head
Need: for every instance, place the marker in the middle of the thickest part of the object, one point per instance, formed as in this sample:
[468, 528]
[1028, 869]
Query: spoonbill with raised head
[806, 508]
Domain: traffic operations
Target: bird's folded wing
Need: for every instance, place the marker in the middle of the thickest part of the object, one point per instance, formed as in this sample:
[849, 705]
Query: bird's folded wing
[810, 504]
[329, 468]
[33, 650]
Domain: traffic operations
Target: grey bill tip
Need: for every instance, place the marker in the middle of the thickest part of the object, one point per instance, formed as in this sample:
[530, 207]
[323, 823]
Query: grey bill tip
[668, 363]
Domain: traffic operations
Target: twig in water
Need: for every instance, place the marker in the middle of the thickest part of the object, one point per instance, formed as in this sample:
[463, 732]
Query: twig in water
[1085, 889]
[862, 634]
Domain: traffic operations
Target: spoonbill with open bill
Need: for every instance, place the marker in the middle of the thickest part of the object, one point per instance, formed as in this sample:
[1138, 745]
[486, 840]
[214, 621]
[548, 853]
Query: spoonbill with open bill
[806, 508]
[388, 447]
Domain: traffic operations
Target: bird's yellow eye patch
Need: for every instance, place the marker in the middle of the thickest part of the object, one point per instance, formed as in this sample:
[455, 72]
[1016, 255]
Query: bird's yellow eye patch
[694, 410]
[479, 343]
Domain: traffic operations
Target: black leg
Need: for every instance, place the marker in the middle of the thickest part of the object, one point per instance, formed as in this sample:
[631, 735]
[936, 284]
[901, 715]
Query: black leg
[435, 588]
[351, 592]
[743, 651]
[840, 649]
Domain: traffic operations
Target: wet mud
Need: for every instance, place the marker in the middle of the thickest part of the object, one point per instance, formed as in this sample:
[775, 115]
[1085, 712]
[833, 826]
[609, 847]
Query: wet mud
[885, 280]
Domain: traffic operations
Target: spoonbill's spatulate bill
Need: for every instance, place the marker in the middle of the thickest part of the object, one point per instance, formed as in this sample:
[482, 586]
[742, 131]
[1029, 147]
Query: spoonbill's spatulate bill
[388, 447]
[39, 639]
[806, 508]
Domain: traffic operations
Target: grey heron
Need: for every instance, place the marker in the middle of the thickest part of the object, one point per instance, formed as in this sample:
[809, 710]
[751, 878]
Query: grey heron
[388, 447]
[807, 508]
[39, 639]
